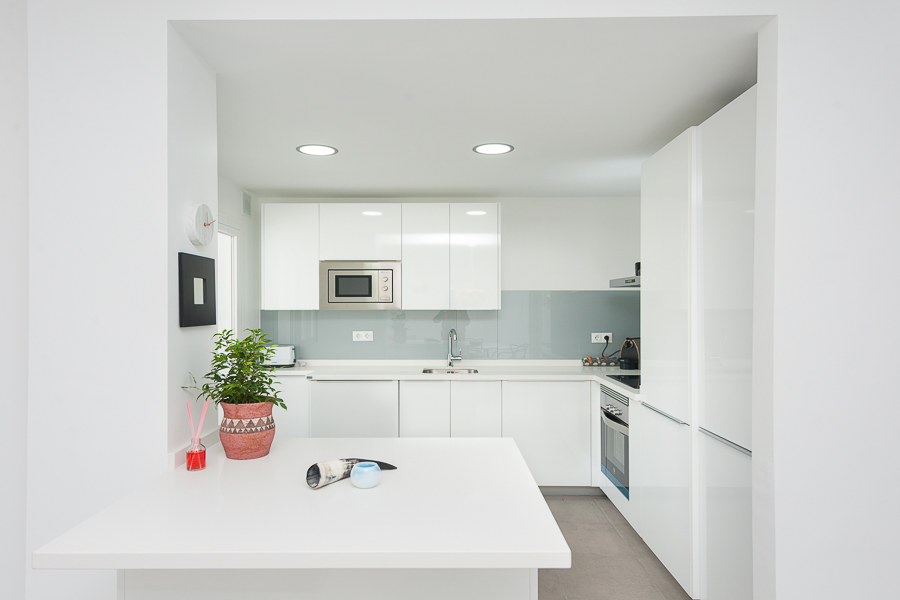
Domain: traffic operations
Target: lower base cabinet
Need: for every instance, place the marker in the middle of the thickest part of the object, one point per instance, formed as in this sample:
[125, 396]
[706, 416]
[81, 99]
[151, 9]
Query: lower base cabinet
[354, 409]
[551, 424]
[665, 493]
[293, 422]
[475, 409]
[424, 409]
[726, 543]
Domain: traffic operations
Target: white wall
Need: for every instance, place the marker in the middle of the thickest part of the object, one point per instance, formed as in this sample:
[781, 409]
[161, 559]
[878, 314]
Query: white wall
[14, 298]
[97, 71]
[763, 462]
[555, 243]
[193, 179]
[568, 243]
[248, 263]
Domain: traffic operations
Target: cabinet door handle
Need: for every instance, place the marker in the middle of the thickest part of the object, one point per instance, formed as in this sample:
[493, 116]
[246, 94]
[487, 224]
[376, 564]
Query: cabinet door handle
[728, 443]
[665, 414]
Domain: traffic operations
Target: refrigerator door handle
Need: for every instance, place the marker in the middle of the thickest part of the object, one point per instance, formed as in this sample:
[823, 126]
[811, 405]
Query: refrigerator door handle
[726, 442]
[665, 414]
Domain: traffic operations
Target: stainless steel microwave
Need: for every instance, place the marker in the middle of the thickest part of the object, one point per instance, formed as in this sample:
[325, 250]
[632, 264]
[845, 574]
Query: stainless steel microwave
[352, 285]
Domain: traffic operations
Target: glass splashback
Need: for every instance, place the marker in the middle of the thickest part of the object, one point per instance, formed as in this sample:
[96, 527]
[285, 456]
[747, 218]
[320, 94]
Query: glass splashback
[533, 325]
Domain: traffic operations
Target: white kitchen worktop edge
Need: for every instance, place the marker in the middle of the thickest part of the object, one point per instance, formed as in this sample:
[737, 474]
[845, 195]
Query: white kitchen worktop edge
[488, 370]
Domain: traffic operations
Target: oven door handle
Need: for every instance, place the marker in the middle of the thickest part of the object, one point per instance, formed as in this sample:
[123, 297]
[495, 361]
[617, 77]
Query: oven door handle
[614, 423]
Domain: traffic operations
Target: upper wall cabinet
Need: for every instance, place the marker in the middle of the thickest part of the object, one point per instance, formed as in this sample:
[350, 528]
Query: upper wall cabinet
[359, 232]
[474, 256]
[290, 257]
[426, 256]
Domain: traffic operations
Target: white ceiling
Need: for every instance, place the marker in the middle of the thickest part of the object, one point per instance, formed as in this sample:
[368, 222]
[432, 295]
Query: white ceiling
[584, 101]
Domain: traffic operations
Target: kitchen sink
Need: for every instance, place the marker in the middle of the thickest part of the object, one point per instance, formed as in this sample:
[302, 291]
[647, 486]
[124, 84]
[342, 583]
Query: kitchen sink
[449, 371]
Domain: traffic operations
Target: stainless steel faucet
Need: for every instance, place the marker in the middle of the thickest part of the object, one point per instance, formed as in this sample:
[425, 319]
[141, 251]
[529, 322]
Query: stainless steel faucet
[450, 339]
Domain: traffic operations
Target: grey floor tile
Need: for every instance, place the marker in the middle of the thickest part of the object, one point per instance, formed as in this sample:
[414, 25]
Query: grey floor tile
[634, 541]
[609, 559]
[658, 573]
[575, 509]
[593, 577]
[549, 587]
[609, 509]
[594, 538]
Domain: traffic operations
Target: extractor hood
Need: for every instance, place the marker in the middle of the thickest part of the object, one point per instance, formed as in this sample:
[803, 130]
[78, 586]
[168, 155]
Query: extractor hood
[628, 282]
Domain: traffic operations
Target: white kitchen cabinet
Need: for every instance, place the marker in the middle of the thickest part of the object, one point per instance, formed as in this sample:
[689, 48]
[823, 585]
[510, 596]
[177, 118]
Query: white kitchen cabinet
[363, 231]
[726, 543]
[665, 491]
[293, 422]
[551, 424]
[424, 409]
[426, 256]
[667, 180]
[727, 142]
[290, 256]
[354, 409]
[475, 409]
[474, 256]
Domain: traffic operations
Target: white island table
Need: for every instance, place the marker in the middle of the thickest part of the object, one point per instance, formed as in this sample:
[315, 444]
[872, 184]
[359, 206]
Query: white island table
[460, 518]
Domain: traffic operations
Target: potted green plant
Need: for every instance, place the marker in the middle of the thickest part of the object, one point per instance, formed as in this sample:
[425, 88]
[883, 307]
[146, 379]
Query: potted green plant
[240, 380]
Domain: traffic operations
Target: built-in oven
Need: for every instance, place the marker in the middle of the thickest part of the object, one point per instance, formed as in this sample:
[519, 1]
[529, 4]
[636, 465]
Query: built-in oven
[356, 285]
[614, 438]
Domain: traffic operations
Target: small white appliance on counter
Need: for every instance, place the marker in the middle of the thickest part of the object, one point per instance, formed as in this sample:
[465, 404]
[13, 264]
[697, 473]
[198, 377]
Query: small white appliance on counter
[283, 356]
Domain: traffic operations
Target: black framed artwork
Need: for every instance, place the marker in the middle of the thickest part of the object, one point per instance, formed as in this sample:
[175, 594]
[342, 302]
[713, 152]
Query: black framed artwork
[196, 290]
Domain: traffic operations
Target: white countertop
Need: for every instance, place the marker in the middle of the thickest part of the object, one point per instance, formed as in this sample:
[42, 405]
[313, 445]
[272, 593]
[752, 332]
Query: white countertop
[543, 370]
[451, 503]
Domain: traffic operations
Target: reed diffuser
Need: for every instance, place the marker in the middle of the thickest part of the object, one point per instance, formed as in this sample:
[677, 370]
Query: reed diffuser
[196, 453]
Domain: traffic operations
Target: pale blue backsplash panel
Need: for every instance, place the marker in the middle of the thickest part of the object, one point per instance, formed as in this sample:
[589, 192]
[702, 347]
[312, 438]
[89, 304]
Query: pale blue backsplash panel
[547, 325]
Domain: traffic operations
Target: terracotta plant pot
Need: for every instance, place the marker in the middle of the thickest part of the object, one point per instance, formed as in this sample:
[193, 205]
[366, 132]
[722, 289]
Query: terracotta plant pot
[247, 430]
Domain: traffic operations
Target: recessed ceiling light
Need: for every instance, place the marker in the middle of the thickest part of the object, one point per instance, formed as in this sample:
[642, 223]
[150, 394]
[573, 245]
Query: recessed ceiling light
[371, 213]
[317, 150]
[493, 148]
[476, 213]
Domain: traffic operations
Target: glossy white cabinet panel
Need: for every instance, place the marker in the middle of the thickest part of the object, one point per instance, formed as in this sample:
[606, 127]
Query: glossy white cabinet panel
[551, 423]
[346, 233]
[666, 250]
[426, 256]
[475, 409]
[474, 256]
[726, 544]
[665, 488]
[597, 477]
[293, 422]
[727, 143]
[354, 409]
[424, 409]
[290, 256]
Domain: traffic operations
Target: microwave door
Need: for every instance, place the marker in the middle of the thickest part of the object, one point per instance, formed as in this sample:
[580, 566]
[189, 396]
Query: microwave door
[352, 286]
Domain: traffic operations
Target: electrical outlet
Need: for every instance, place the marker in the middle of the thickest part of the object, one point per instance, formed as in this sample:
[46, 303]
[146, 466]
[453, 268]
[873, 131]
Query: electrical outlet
[600, 338]
[363, 336]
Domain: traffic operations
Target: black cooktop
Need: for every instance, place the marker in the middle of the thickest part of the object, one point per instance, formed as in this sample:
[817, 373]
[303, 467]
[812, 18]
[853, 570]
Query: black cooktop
[629, 380]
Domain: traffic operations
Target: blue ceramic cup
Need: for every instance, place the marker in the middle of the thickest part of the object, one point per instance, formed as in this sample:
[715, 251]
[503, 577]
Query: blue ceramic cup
[365, 475]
